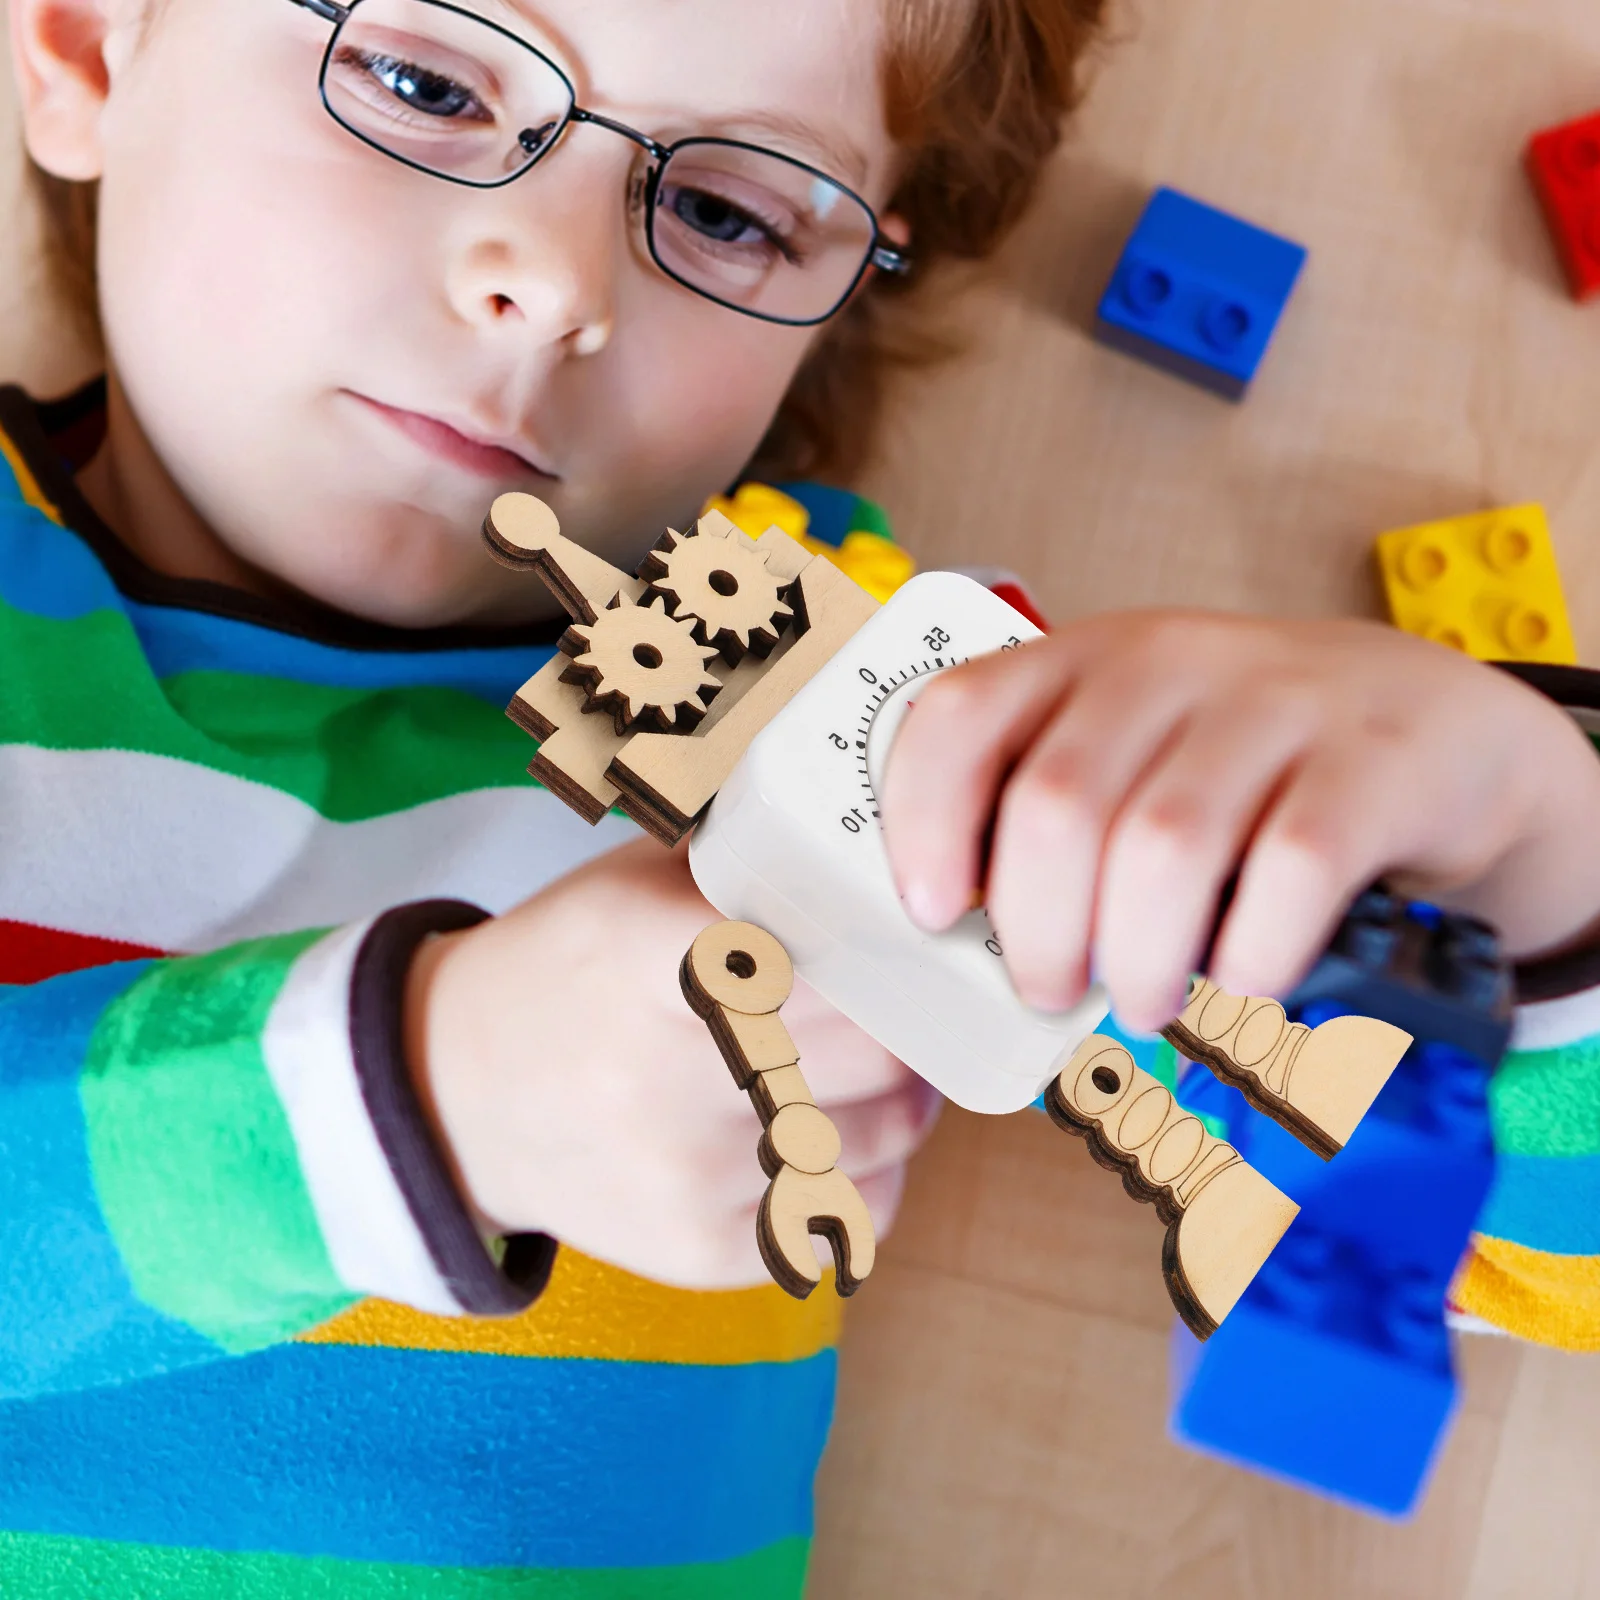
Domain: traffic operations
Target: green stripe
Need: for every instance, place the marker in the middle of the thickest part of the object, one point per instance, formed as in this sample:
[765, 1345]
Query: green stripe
[194, 1161]
[1547, 1102]
[51, 1567]
[349, 753]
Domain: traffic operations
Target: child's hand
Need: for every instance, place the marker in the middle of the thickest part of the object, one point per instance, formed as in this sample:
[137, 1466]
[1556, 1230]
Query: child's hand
[580, 1096]
[1129, 764]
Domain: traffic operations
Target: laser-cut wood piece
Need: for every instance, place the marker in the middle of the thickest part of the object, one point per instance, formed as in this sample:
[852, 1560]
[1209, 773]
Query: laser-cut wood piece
[1223, 1218]
[522, 531]
[672, 780]
[1316, 1082]
[642, 667]
[582, 758]
[735, 976]
[721, 583]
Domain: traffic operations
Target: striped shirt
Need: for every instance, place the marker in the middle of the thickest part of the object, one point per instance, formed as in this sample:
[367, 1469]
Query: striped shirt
[233, 1354]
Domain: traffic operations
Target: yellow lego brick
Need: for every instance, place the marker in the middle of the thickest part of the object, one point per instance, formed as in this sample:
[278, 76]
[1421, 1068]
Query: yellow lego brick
[1485, 584]
[755, 507]
[879, 565]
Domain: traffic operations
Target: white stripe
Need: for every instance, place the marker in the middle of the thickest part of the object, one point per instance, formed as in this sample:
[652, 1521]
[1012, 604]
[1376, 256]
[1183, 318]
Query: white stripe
[1548, 1024]
[375, 1245]
[167, 853]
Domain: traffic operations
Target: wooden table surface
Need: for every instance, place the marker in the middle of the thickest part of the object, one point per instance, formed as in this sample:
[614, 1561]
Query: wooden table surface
[1001, 1425]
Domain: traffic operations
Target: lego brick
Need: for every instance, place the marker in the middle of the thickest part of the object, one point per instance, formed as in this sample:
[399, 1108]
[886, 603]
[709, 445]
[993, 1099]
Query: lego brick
[1334, 1370]
[1564, 166]
[1485, 584]
[1199, 293]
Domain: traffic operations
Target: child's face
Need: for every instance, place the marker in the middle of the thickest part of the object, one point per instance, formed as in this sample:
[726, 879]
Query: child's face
[299, 322]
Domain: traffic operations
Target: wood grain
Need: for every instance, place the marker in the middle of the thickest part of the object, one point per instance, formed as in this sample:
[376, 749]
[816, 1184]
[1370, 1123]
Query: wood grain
[735, 976]
[1316, 1082]
[1223, 1218]
[1001, 1423]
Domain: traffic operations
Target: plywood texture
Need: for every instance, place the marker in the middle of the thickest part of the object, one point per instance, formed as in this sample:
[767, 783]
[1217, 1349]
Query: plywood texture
[1001, 1426]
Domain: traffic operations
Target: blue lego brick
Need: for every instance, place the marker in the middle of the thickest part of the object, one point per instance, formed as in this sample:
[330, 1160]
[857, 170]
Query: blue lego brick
[1438, 975]
[1199, 293]
[1334, 1370]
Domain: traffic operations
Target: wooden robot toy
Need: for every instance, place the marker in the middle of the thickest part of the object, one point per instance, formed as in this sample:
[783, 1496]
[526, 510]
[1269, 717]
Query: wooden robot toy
[750, 692]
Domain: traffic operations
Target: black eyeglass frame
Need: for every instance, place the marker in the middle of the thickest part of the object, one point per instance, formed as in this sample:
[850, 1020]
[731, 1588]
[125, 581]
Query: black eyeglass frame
[881, 253]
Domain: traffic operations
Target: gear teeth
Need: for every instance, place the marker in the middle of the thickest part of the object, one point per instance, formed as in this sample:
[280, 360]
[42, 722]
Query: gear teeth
[642, 666]
[720, 584]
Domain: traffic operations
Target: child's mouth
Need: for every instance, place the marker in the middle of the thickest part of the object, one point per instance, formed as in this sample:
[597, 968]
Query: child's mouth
[484, 457]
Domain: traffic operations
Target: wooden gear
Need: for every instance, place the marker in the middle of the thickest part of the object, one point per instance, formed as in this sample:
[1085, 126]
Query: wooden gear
[665, 779]
[1317, 1083]
[642, 666]
[736, 976]
[724, 587]
[1223, 1218]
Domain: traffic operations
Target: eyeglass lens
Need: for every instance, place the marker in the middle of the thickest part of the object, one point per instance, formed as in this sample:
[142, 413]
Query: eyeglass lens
[455, 95]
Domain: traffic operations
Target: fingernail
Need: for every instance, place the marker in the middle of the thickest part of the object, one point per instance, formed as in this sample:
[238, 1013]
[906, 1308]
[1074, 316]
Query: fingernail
[925, 906]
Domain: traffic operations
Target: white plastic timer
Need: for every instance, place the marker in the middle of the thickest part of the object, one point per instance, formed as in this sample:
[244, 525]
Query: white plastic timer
[793, 843]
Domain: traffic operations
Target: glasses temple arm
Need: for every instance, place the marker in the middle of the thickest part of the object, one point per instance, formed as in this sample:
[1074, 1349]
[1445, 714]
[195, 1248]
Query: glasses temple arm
[328, 10]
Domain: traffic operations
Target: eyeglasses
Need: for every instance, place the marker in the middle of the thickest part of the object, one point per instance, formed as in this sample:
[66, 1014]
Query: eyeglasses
[460, 97]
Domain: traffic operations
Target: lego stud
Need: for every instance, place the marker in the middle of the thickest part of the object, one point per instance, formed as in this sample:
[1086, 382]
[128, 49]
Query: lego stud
[1506, 546]
[1524, 630]
[1225, 325]
[1579, 156]
[1423, 563]
[1223, 1218]
[1146, 289]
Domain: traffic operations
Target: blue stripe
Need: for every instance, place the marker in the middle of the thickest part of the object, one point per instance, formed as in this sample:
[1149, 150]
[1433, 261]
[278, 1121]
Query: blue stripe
[1546, 1203]
[190, 641]
[435, 1458]
[50, 572]
[68, 1314]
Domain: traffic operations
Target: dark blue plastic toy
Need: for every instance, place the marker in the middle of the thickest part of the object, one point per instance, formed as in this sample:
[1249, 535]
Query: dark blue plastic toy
[1334, 1369]
[1199, 292]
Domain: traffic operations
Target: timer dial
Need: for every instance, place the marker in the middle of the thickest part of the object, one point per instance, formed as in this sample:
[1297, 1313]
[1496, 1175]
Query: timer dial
[793, 843]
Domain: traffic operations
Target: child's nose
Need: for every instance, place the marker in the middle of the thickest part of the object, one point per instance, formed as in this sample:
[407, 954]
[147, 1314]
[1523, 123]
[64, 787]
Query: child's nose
[538, 260]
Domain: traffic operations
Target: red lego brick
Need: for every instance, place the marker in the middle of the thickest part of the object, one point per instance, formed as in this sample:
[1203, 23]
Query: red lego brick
[1564, 164]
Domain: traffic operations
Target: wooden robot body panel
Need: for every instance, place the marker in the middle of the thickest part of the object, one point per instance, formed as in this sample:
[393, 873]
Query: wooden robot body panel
[793, 843]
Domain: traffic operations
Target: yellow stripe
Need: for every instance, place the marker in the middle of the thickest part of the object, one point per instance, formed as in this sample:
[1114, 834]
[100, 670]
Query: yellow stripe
[1545, 1298]
[26, 482]
[594, 1310]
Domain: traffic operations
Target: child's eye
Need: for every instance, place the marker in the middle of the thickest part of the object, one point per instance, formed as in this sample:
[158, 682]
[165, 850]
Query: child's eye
[739, 227]
[716, 217]
[414, 87]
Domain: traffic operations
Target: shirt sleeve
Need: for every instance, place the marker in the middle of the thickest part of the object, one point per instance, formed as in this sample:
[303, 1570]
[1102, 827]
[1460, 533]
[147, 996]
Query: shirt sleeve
[203, 1155]
[1533, 1268]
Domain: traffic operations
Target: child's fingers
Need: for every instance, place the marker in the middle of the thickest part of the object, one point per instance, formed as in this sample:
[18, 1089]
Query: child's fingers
[1178, 839]
[949, 760]
[1054, 816]
[1338, 824]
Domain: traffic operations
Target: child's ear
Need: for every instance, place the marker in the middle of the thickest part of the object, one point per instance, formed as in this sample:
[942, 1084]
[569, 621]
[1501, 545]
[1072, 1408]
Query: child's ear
[60, 50]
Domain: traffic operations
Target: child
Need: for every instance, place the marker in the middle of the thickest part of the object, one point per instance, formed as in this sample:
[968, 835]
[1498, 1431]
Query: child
[255, 661]
[251, 1164]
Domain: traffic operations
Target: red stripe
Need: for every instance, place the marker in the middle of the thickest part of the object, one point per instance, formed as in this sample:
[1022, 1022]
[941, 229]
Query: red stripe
[29, 953]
